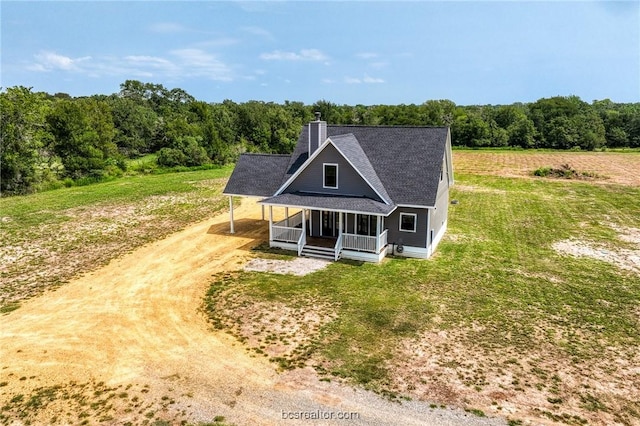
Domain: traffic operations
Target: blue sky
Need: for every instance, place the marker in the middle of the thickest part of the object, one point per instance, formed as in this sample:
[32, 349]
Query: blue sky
[354, 52]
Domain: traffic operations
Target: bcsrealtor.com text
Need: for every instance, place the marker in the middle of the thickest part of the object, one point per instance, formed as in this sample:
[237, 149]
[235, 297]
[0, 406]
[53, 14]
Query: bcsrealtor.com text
[320, 415]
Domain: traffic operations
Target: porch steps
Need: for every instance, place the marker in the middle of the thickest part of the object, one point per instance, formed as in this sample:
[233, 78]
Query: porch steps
[318, 252]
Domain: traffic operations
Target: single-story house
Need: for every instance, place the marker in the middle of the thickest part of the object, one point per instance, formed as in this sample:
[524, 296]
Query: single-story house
[358, 192]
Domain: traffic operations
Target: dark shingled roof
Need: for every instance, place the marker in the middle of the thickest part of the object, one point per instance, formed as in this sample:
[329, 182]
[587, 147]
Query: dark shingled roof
[350, 147]
[257, 175]
[331, 202]
[402, 163]
[406, 159]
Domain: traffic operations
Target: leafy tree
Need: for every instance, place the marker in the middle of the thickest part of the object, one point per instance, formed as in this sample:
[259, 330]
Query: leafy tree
[24, 161]
[83, 134]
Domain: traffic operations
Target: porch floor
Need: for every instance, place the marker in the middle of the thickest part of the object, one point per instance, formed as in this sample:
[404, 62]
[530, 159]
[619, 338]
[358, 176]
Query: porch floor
[328, 242]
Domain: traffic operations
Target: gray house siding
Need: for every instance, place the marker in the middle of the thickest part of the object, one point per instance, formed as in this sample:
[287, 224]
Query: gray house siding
[349, 181]
[413, 239]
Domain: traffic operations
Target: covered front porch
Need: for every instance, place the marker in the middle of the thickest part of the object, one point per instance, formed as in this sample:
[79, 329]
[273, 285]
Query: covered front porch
[329, 234]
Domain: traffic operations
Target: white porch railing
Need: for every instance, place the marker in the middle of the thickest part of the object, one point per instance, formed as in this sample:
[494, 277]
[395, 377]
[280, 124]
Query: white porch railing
[382, 241]
[301, 242]
[364, 242]
[338, 247]
[291, 222]
[285, 233]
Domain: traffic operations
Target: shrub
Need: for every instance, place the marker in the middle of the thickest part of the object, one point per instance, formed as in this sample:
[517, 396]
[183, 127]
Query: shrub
[171, 157]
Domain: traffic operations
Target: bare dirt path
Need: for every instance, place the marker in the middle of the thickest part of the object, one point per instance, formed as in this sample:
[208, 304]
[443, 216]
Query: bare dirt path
[135, 325]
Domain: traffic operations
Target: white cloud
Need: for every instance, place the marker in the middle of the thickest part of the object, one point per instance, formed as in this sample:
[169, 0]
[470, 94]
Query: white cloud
[189, 62]
[197, 62]
[372, 80]
[366, 79]
[49, 61]
[302, 55]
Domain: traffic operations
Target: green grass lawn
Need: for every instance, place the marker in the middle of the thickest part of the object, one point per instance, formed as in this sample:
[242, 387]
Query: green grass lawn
[519, 318]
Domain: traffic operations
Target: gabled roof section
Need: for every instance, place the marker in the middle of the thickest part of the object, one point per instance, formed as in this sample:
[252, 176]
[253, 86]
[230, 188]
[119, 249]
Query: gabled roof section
[406, 159]
[350, 148]
[257, 175]
[352, 153]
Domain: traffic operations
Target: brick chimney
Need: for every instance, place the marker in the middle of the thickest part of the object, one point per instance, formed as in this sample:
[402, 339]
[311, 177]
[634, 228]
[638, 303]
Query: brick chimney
[317, 134]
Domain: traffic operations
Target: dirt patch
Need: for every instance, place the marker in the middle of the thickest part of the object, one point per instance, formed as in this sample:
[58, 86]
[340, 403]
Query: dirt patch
[286, 333]
[299, 266]
[540, 386]
[619, 168]
[624, 258]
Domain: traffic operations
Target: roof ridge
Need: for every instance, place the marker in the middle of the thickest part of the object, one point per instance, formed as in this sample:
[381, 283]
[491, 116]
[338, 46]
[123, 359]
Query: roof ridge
[265, 154]
[390, 126]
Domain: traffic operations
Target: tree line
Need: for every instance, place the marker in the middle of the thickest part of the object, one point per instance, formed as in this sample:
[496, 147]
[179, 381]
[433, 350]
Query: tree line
[47, 139]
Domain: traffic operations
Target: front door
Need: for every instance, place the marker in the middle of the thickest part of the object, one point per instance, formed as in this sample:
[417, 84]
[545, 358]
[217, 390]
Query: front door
[329, 224]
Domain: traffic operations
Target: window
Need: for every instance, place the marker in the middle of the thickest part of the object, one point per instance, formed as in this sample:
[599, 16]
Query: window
[330, 176]
[408, 222]
[366, 225]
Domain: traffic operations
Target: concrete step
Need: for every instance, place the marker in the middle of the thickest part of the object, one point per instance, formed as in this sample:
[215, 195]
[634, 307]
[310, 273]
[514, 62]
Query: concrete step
[318, 252]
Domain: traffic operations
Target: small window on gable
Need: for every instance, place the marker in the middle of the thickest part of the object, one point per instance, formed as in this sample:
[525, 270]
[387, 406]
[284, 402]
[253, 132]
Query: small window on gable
[408, 222]
[330, 176]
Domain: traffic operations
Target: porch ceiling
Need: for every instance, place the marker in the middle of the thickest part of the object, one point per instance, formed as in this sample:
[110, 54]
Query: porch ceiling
[330, 202]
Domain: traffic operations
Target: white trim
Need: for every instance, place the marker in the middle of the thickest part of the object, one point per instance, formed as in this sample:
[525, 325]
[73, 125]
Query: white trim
[429, 248]
[410, 251]
[415, 222]
[439, 235]
[329, 209]
[363, 255]
[310, 160]
[262, 197]
[449, 157]
[324, 177]
[359, 173]
[416, 206]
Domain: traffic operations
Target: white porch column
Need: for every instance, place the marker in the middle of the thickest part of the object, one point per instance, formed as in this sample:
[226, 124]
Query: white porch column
[270, 221]
[233, 231]
[340, 223]
[304, 223]
[378, 232]
[286, 216]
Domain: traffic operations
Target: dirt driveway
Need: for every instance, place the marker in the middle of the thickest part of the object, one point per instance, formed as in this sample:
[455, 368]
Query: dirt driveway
[127, 343]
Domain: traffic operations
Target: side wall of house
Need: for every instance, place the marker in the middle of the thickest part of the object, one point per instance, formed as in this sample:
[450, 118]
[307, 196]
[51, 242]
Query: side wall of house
[439, 215]
[349, 181]
[405, 238]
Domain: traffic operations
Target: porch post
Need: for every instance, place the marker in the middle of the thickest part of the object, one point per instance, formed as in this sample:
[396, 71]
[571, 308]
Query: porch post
[378, 232]
[340, 223]
[233, 231]
[263, 212]
[286, 216]
[270, 221]
[304, 223]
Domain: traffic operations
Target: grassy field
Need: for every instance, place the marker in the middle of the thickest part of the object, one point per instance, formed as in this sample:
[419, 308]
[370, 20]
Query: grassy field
[499, 321]
[50, 237]
[502, 321]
